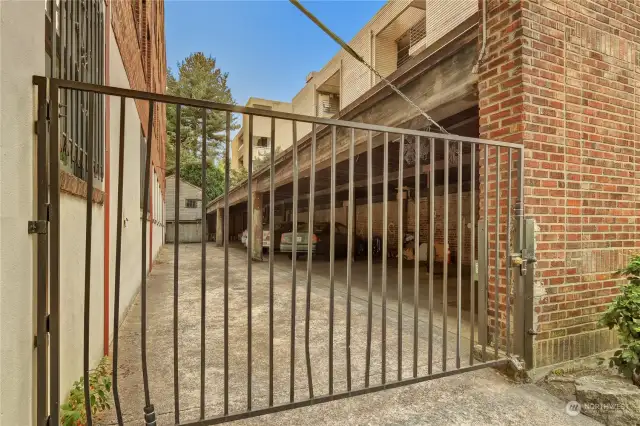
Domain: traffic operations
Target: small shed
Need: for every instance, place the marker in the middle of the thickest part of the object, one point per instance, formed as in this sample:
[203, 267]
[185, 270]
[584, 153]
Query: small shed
[190, 206]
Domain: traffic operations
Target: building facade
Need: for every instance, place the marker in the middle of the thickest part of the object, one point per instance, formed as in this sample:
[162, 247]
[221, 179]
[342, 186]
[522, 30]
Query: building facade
[190, 212]
[118, 44]
[262, 135]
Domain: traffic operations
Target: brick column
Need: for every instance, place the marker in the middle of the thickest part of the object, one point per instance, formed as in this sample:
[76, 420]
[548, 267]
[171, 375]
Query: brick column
[256, 221]
[219, 226]
[560, 78]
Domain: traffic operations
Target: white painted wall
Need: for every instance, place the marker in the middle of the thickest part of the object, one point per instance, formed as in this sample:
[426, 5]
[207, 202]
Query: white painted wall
[73, 212]
[21, 20]
[131, 211]
[21, 56]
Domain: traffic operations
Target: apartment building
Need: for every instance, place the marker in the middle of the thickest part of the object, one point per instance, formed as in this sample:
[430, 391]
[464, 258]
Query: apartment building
[262, 134]
[101, 42]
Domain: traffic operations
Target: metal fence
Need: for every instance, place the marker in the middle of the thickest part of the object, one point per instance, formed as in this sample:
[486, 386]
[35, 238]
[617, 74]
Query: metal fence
[445, 152]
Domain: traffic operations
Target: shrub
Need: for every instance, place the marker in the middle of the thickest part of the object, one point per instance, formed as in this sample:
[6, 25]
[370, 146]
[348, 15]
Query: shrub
[73, 413]
[624, 313]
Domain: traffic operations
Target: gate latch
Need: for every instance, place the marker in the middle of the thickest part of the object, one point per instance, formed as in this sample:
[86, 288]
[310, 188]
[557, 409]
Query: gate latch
[37, 227]
[526, 257]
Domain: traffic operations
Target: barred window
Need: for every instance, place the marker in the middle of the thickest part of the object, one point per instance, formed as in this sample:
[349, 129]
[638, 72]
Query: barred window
[74, 50]
[191, 203]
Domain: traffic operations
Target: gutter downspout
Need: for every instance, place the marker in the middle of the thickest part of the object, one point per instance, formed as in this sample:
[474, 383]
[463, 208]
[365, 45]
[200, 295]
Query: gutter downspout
[107, 179]
[484, 37]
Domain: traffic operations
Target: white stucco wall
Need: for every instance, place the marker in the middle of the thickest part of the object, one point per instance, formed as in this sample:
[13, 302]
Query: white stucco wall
[21, 56]
[131, 223]
[131, 211]
[73, 211]
[23, 21]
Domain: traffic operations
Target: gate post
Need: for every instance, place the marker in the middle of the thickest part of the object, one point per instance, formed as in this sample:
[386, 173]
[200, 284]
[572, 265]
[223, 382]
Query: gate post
[525, 251]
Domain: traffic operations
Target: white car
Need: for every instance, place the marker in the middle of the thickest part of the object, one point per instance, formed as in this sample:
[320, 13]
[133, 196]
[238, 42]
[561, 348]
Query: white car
[266, 239]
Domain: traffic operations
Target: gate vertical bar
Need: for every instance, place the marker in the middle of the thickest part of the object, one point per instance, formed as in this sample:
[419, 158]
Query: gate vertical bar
[272, 201]
[332, 253]
[226, 224]
[43, 251]
[460, 234]
[203, 266]
[312, 188]
[148, 409]
[432, 184]
[485, 263]
[292, 346]
[369, 255]
[176, 269]
[87, 266]
[400, 200]
[350, 256]
[508, 256]
[116, 301]
[416, 256]
[54, 256]
[249, 259]
[472, 255]
[445, 254]
[385, 237]
[496, 285]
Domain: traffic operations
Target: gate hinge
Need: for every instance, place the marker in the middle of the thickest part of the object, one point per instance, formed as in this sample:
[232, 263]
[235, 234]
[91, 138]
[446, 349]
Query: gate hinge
[37, 227]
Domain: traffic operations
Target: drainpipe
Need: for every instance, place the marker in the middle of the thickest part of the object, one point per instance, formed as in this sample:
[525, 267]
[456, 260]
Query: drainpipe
[107, 179]
[484, 37]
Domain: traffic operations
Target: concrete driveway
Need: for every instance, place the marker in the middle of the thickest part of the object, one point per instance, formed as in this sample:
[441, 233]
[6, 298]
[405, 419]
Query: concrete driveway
[480, 397]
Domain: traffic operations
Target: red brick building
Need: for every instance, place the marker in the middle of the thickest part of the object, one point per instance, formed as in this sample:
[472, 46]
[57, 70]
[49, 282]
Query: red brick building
[563, 79]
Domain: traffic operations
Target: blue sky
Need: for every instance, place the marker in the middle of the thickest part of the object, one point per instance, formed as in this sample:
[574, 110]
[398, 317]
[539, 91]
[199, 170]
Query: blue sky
[267, 47]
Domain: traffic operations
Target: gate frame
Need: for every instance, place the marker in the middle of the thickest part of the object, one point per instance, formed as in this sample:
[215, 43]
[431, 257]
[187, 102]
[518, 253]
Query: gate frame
[48, 247]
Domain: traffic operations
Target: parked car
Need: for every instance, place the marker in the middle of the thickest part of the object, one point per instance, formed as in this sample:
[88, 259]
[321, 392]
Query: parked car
[320, 240]
[266, 237]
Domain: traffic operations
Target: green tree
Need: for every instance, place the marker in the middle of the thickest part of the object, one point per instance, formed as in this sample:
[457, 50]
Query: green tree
[198, 77]
[192, 172]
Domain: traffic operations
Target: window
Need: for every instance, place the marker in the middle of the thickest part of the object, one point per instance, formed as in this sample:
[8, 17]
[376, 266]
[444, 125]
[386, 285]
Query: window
[262, 142]
[67, 58]
[191, 203]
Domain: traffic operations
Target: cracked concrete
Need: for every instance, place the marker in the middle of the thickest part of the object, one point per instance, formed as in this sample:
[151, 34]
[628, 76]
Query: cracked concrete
[479, 397]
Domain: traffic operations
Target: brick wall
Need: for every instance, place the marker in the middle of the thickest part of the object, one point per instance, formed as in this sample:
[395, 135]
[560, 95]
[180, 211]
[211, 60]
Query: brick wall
[138, 27]
[562, 77]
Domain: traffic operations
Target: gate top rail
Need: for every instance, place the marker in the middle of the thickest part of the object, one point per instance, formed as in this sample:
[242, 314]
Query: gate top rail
[199, 103]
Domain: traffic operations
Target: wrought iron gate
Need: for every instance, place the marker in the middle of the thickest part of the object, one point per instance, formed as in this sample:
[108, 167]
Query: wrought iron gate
[501, 259]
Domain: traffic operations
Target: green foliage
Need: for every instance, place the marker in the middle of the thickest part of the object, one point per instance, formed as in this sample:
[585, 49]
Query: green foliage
[192, 172]
[624, 314]
[197, 78]
[237, 176]
[73, 413]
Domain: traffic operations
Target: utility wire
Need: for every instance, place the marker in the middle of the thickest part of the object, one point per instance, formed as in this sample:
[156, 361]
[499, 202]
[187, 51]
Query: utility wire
[360, 59]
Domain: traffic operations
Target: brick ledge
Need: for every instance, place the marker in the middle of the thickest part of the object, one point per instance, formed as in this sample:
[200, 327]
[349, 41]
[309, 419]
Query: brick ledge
[77, 187]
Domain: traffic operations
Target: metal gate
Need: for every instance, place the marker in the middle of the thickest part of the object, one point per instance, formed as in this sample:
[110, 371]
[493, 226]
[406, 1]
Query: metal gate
[488, 173]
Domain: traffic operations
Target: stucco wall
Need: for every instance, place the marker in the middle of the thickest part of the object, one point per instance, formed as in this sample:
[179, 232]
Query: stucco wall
[72, 286]
[18, 63]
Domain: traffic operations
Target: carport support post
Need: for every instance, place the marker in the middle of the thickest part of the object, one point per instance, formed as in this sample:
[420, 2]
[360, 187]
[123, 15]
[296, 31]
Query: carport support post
[219, 225]
[256, 219]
